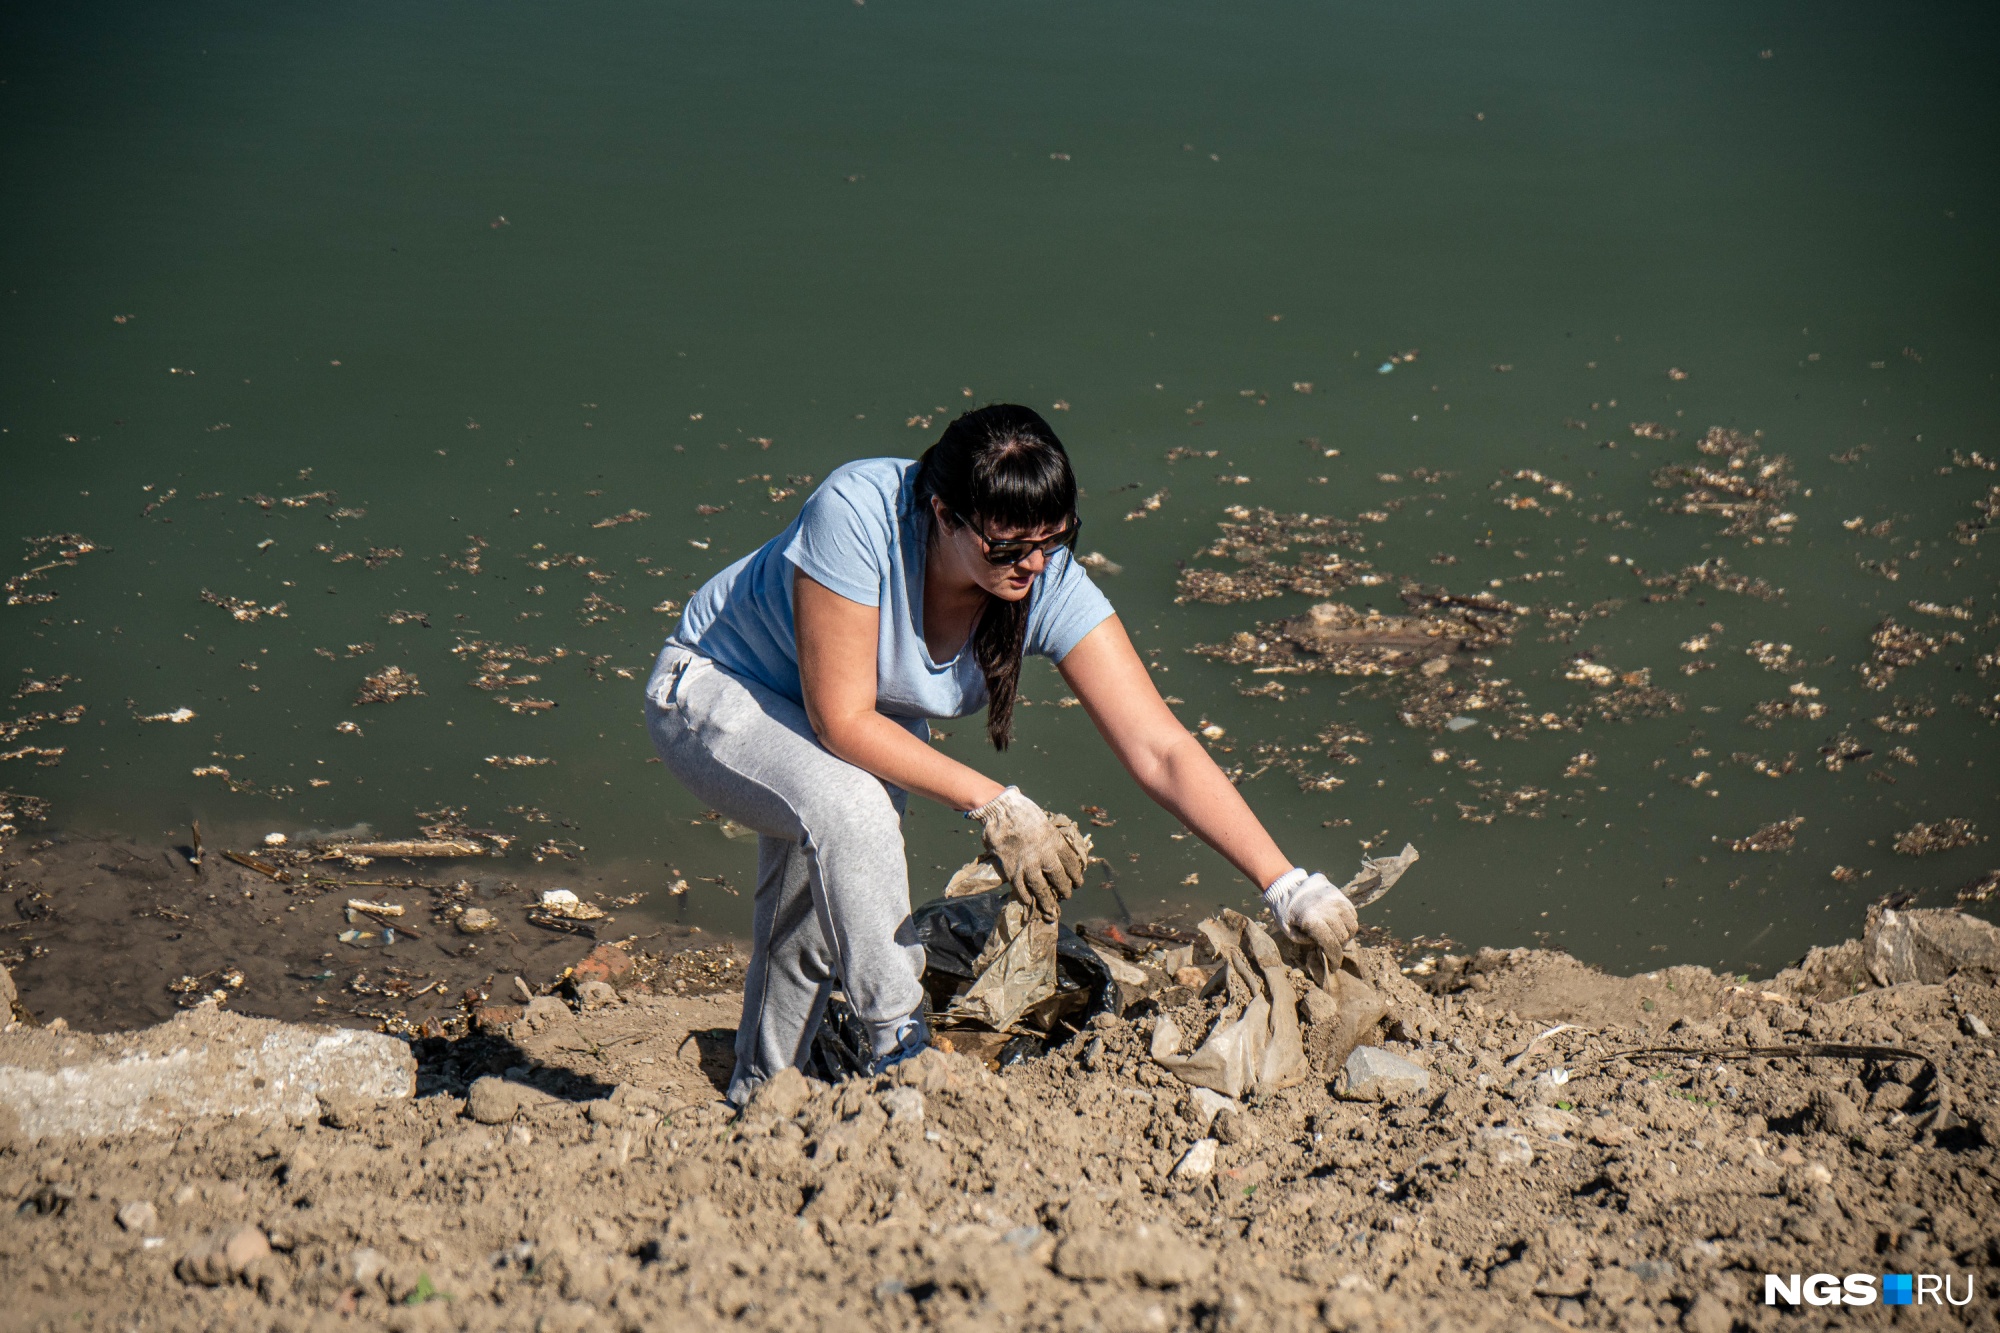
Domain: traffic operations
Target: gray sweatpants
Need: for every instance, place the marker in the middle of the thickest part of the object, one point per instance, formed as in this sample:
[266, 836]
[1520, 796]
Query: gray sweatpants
[833, 889]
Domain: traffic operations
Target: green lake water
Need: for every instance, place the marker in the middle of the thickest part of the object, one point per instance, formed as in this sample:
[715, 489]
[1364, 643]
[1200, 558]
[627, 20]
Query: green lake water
[493, 274]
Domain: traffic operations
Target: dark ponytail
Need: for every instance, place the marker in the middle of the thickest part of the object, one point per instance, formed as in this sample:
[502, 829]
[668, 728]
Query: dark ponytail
[1000, 466]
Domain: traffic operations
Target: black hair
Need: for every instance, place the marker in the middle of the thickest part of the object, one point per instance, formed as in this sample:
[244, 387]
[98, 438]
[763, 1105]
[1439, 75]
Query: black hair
[999, 466]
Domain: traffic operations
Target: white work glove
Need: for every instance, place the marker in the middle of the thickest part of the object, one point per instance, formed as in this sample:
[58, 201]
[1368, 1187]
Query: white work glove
[1040, 854]
[1311, 909]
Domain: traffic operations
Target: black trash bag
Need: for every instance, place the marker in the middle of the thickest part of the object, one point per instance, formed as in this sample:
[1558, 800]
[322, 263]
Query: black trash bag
[954, 932]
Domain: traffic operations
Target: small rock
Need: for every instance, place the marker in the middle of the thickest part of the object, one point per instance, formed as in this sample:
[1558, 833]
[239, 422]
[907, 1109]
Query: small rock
[245, 1246]
[219, 1257]
[545, 1010]
[904, 1105]
[138, 1215]
[476, 921]
[1375, 1075]
[596, 994]
[1197, 1163]
[607, 962]
[364, 1265]
[1975, 1026]
[1235, 1126]
[1831, 1112]
[1093, 1051]
[1208, 1104]
[1193, 977]
[495, 1101]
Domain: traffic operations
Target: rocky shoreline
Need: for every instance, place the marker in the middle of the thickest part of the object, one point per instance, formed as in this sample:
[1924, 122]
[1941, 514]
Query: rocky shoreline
[1587, 1150]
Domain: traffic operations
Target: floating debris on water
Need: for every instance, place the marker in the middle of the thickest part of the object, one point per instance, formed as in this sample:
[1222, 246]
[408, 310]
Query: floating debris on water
[1944, 835]
[1748, 489]
[1898, 646]
[1150, 505]
[177, 715]
[387, 686]
[242, 609]
[1777, 836]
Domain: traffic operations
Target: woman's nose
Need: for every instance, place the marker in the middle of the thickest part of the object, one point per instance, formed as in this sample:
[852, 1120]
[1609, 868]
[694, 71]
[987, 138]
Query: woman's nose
[1036, 561]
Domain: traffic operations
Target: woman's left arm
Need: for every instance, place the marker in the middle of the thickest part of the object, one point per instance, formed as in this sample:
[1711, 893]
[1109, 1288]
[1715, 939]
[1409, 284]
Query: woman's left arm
[1171, 766]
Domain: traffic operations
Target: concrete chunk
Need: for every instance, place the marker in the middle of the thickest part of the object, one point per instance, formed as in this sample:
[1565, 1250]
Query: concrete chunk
[206, 1062]
[1375, 1075]
[1929, 945]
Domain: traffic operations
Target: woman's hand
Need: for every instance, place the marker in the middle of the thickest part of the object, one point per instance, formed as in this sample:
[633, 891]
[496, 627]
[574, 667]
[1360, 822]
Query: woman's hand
[1312, 910]
[1042, 855]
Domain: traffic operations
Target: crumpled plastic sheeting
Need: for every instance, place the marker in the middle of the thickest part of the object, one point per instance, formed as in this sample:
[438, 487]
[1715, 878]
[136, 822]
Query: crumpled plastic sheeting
[1256, 1045]
[1378, 875]
[1015, 971]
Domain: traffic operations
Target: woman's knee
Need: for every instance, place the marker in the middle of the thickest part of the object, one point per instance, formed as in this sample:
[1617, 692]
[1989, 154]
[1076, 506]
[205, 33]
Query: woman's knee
[853, 815]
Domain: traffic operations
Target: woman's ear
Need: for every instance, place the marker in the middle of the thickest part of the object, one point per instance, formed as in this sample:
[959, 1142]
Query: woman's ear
[940, 513]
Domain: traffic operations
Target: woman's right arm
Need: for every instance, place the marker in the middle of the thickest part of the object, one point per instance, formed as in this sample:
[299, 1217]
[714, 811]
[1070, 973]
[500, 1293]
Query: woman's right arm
[837, 640]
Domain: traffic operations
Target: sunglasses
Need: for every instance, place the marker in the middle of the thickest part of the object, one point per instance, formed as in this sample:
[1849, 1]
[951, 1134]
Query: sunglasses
[1015, 550]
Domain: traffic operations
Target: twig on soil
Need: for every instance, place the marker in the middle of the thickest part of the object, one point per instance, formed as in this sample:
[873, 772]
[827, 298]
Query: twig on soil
[1939, 1112]
[1515, 1060]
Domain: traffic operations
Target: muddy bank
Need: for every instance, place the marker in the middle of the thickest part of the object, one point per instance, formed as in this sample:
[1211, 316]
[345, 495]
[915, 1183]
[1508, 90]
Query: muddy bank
[108, 933]
[593, 1180]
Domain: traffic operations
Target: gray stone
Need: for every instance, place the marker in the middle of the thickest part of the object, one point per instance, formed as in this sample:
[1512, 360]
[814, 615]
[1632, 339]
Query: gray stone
[1975, 1026]
[8, 996]
[1928, 945]
[1375, 1075]
[138, 1215]
[1208, 1104]
[1197, 1163]
[206, 1062]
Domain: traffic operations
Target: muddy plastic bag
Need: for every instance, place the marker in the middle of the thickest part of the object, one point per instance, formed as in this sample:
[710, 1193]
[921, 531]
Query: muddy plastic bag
[993, 963]
[978, 968]
[1256, 1045]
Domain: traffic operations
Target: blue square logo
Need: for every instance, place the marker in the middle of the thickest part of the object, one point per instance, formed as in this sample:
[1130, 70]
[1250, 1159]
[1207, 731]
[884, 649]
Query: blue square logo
[1897, 1289]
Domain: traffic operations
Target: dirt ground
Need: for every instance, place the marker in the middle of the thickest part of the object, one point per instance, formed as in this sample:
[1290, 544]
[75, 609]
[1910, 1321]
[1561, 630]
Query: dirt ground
[613, 1190]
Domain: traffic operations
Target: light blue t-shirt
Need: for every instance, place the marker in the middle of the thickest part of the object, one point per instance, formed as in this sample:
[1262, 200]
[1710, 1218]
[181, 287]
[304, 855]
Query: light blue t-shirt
[859, 535]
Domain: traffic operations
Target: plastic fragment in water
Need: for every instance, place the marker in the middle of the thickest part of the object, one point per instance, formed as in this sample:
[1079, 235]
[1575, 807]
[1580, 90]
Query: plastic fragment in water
[1385, 367]
[1460, 723]
[388, 937]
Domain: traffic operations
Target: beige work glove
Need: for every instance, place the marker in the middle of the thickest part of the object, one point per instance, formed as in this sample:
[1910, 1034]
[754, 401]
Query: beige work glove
[1042, 855]
[1311, 909]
